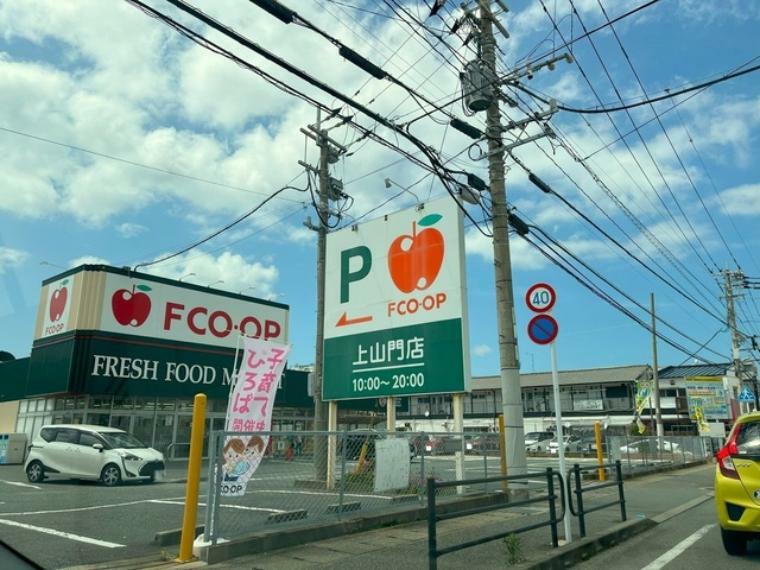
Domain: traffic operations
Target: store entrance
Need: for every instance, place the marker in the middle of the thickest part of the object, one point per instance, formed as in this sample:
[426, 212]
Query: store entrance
[120, 421]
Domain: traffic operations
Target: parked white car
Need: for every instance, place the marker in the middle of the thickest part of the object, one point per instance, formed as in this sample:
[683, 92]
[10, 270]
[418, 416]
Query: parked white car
[91, 452]
[572, 445]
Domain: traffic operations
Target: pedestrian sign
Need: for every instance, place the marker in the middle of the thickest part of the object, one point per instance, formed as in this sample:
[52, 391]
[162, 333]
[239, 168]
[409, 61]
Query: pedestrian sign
[746, 395]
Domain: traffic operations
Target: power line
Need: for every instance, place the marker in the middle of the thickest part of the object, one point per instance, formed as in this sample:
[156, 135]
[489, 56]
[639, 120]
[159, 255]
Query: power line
[435, 163]
[609, 283]
[221, 230]
[134, 163]
[667, 135]
[643, 142]
[546, 188]
[584, 282]
[669, 94]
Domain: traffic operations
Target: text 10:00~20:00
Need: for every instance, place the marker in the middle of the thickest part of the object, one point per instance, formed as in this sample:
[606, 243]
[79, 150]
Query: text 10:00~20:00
[373, 383]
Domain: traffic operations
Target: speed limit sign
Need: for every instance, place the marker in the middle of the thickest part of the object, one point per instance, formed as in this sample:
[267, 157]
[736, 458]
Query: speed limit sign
[540, 298]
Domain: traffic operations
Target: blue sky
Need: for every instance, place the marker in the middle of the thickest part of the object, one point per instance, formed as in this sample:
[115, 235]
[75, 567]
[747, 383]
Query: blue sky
[105, 77]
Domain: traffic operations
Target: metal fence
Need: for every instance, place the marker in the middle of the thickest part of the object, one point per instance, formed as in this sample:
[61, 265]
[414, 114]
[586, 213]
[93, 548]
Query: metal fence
[636, 453]
[296, 484]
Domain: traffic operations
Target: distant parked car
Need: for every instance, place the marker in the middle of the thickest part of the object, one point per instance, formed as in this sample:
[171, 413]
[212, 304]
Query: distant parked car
[572, 444]
[354, 441]
[97, 453]
[537, 441]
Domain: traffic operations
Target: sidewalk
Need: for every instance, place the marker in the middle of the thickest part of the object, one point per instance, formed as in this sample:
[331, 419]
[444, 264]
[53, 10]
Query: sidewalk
[405, 546]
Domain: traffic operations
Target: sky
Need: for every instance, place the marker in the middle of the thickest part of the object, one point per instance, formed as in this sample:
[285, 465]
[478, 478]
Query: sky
[121, 141]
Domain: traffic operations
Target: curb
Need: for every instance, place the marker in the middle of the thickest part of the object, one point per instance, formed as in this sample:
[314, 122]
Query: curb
[302, 534]
[587, 547]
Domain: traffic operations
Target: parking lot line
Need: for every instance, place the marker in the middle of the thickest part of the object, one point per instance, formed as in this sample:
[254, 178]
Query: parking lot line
[241, 507]
[678, 549]
[19, 484]
[79, 509]
[321, 494]
[68, 535]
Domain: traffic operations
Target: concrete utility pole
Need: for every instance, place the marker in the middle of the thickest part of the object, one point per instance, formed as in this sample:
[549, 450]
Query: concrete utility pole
[655, 377]
[329, 151]
[736, 279]
[509, 365]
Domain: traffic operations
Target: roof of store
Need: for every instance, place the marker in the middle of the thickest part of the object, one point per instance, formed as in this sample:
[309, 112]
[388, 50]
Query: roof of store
[610, 375]
[694, 370]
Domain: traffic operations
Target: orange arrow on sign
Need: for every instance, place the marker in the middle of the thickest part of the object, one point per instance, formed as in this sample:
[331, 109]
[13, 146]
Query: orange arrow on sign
[345, 321]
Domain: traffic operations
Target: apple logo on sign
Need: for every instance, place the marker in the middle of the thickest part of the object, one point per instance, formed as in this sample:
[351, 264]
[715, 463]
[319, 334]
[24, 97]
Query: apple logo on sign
[58, 301]
[415, 259]
[131, 308]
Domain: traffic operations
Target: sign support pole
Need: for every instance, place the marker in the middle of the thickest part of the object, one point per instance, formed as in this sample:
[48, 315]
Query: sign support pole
[390, 415]
[560, 438]
[332, 442]
[457, 401]
[193, 479]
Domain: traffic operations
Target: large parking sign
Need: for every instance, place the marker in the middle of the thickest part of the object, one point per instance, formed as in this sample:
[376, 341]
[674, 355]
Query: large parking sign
[395, 314]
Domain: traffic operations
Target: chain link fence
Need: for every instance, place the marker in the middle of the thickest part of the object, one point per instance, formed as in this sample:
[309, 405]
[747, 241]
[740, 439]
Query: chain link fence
[371, 472]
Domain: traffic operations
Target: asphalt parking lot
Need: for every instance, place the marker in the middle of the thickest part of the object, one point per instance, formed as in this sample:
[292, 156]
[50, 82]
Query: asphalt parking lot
[63, 523]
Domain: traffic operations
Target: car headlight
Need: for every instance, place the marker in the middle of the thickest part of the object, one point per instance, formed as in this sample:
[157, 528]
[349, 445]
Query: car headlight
[129, 457]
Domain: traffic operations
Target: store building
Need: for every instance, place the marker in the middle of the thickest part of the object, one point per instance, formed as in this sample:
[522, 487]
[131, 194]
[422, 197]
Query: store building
[607, 395]
[130, 350]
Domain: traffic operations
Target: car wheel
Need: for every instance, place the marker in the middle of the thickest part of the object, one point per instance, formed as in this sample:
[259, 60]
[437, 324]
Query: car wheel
[111, 475]
[735, 543]
[35, 472]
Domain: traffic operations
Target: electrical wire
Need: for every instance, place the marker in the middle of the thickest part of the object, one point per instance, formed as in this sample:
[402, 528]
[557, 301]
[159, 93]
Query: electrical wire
[134, 163]
[435, 163]
[221, 230]
[609, 300]
[641, 138]
[669, 94]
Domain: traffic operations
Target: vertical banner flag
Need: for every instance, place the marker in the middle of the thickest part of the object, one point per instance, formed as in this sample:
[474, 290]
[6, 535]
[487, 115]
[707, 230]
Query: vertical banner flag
[250, 410]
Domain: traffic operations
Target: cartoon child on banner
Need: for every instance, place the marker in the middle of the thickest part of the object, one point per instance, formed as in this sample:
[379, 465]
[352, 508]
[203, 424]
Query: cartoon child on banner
[242, 458]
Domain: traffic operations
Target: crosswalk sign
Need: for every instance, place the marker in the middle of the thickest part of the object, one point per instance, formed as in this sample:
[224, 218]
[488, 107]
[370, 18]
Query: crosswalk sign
[746, 395]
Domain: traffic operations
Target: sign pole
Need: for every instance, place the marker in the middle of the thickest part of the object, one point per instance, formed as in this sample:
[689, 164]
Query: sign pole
[457, 401]
[390, 415]
[560, 437]
[332, 442]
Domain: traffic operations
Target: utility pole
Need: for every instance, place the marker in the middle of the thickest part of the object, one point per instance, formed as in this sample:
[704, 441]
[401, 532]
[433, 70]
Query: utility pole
[329, 152]
[655, 374]
[482, 88]
[509, 364]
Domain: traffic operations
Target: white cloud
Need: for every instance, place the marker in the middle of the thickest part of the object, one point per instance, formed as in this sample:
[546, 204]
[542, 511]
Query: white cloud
[481, 350]
[741, 200]
[130, 230]
[238, 274]
[10, 257]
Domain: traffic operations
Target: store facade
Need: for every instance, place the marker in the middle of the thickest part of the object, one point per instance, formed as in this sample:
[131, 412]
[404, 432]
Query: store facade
[130, 350]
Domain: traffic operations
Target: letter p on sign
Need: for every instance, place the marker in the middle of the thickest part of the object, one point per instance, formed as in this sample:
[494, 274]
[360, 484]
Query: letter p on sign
[353, 271]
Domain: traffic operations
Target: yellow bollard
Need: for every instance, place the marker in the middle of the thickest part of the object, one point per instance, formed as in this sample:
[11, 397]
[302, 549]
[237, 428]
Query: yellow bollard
[502, 452]
[193, 479]
[599, 451]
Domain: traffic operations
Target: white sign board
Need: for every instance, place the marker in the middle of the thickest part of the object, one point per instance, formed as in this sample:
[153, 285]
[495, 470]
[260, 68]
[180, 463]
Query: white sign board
[58, 307]
[395, 305]
[392, 467]
[149, 308]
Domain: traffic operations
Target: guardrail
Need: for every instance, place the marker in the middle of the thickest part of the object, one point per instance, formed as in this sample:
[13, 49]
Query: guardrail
[580, 490]
[433, 517]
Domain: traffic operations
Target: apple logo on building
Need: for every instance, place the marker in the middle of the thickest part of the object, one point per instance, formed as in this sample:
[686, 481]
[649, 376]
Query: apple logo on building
[58, 301]
[415, 259]
[131, 308]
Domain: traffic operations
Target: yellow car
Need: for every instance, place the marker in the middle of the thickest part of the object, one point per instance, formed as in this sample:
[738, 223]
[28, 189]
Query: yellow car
[737, 485]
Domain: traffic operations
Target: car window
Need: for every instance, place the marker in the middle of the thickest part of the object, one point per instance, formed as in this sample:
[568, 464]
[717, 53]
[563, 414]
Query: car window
[48, 434]
[121, 440]
[748, 439]
[88, 440]
[67, 436]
